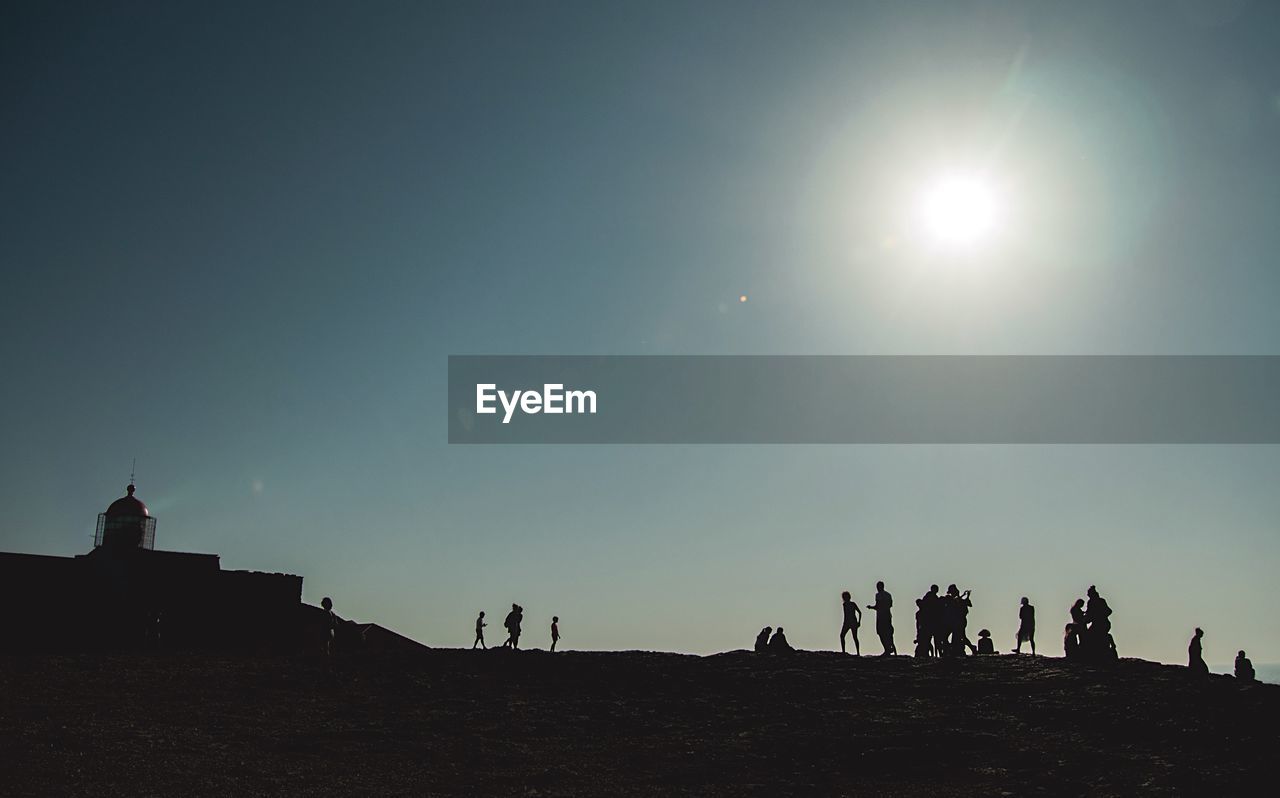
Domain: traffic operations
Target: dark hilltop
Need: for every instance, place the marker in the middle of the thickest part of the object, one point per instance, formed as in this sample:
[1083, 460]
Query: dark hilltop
[450, 722]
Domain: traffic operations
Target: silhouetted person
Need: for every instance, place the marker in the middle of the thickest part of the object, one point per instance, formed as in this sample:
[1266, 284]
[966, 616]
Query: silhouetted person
[555, 631]
[1071, 641]
[884, 619]
[1244, 668]
[932, 607]
[778, 644]
[1077, 613]
[955, 620]
[852, 620]
[1195, 655]
[1096, 642]
[1098, 613]
[985, 646]
[923, 639]
[331, 624]
[506, 624]
[480, 625]
[512, 624]
[965, 604]
[762, 640]
[1026, 626]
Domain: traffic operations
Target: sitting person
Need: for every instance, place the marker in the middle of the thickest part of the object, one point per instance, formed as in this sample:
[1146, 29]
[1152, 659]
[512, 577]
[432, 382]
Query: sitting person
[1071, 641]
[1244, 668]
[779, 644]
[762, 640]
[985, 646]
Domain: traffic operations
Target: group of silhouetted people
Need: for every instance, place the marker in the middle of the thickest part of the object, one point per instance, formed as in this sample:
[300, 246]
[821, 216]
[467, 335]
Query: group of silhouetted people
[942, 623]
[941, 630]
[852, 614]
[512, 624]
[771, 641]
[1088, 636]
[1195, 660]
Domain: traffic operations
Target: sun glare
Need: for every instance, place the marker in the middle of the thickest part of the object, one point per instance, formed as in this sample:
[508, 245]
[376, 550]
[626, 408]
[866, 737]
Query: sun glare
[959, 211]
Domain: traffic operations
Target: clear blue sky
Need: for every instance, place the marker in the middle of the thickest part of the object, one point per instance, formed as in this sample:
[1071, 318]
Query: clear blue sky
[239, 241]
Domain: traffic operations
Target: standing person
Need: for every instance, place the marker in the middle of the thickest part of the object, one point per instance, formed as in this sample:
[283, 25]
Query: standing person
[331, 624]
[1026, 626]
[852, 620]
[962, 605]
[480, 625]
[933, 610]
[1195, 655]
[515, 627]
[884, 619]
[955, 622]
[555, 631]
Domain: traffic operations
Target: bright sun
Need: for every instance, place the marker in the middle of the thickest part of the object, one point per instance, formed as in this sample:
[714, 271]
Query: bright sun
[960, 211]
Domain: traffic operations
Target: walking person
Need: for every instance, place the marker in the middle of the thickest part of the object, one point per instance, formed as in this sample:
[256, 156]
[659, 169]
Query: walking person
[512, 624]
[555, 631]
[884, 619]
[852, 620]
[480, 625]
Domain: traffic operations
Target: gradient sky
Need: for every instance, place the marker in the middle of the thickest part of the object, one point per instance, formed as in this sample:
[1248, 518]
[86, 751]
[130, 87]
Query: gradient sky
[239, 242]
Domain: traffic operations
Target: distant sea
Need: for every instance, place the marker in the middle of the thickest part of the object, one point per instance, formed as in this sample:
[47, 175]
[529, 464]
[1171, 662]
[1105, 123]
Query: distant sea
[1268, 672]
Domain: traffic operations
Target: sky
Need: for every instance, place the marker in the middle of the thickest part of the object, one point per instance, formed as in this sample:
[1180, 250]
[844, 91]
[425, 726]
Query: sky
[239, 241]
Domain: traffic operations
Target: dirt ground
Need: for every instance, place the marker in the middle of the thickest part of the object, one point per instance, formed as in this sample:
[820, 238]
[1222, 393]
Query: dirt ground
[450, 722]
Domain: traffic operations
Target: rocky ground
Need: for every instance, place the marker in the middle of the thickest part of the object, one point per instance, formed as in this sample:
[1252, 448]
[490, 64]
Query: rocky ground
[453, 722]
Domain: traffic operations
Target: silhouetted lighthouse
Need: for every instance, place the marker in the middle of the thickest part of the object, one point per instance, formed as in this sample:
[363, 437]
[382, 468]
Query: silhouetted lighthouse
[127, 524]
[125, 594]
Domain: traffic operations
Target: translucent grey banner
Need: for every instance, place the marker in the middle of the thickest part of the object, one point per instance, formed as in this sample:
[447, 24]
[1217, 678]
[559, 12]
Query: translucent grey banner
[857, 399]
